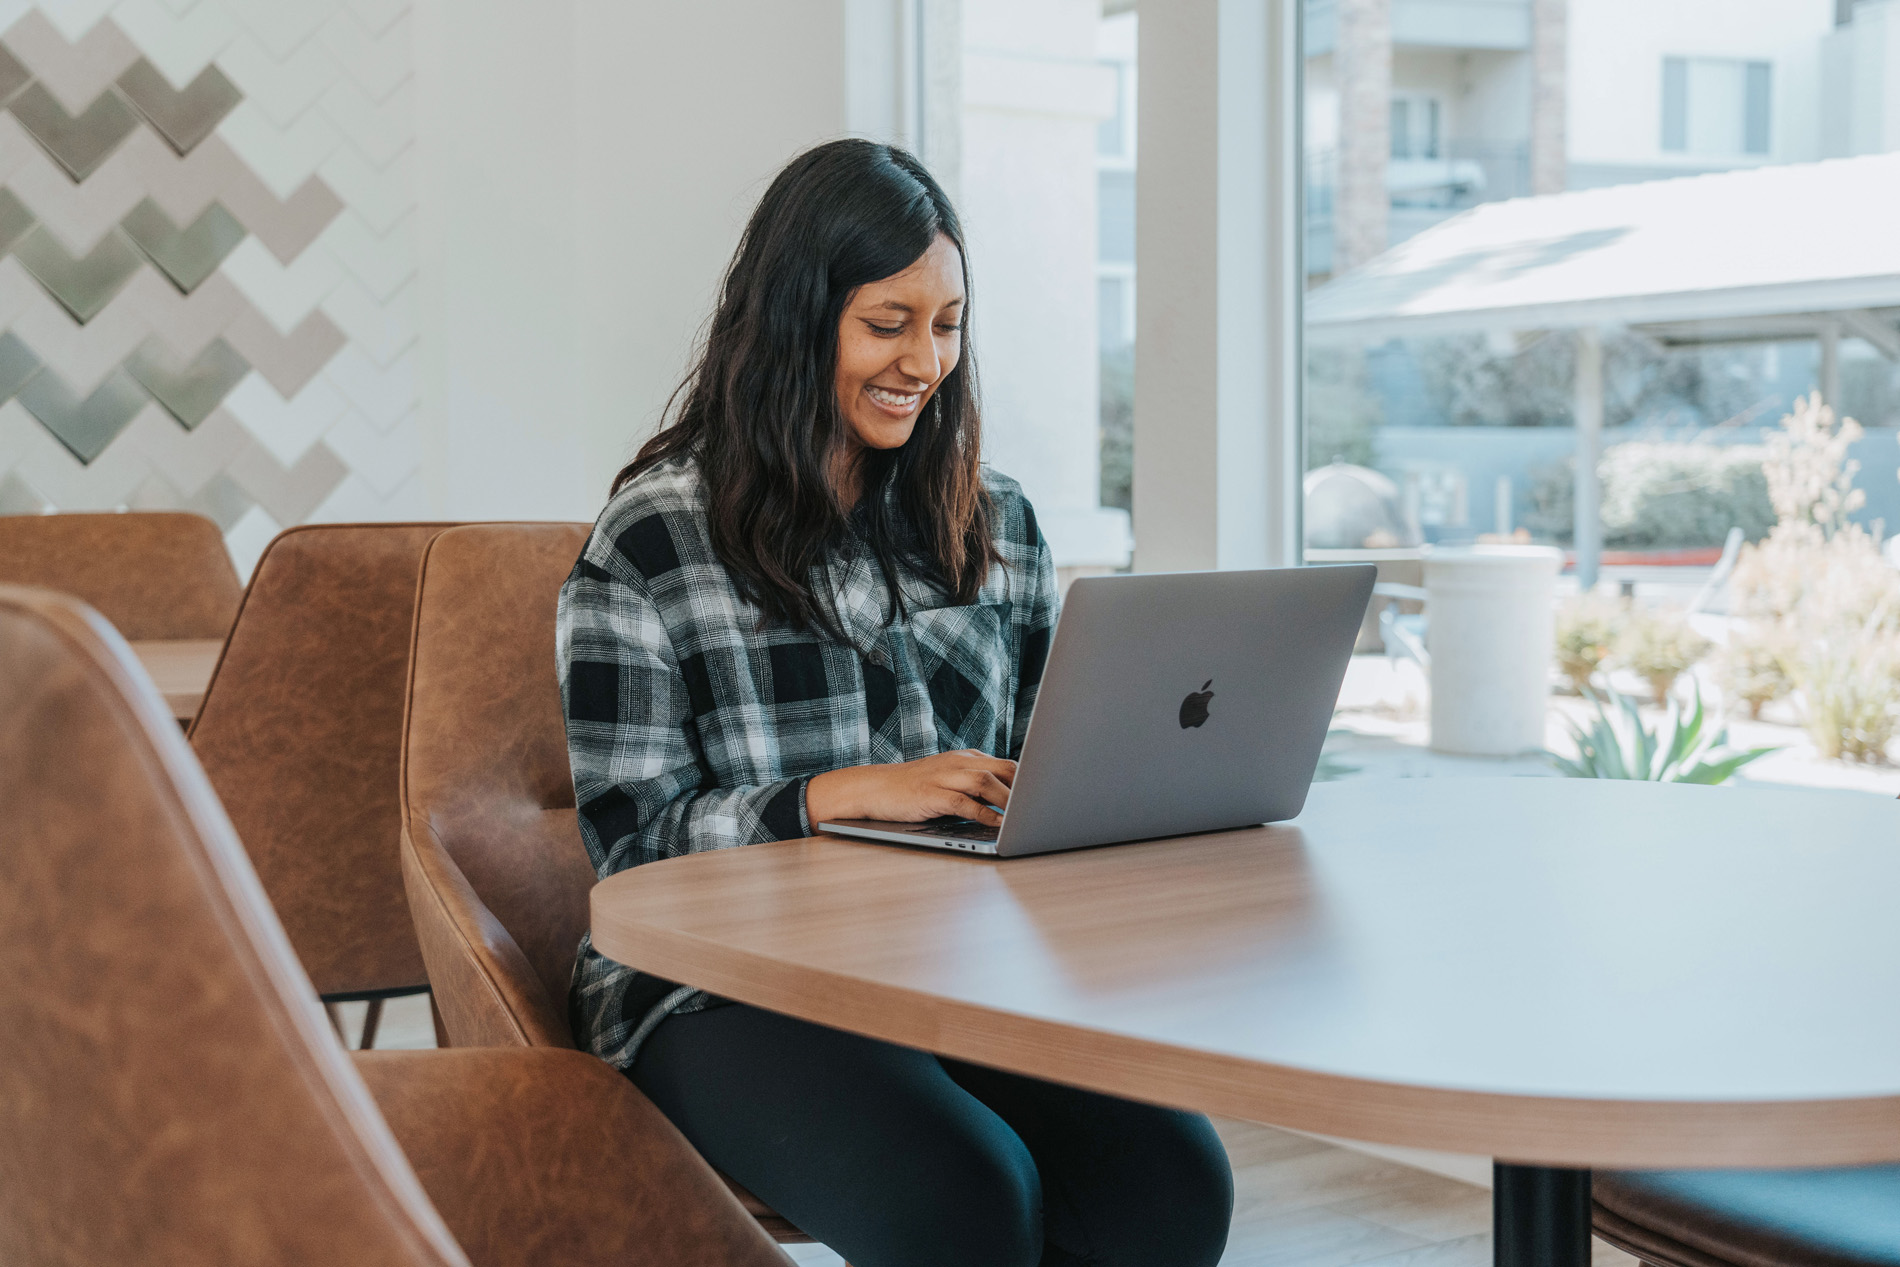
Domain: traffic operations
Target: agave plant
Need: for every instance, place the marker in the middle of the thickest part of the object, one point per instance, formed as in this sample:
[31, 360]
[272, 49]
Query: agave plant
[1616, 745]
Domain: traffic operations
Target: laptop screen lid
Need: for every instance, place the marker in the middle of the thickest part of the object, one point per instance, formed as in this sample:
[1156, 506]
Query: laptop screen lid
[1183, 702]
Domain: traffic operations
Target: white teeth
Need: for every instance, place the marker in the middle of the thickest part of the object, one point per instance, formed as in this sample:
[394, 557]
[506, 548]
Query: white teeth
[896, 400]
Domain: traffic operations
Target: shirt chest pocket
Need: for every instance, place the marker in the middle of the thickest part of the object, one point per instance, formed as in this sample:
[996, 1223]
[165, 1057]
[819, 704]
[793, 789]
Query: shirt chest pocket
[963, 657]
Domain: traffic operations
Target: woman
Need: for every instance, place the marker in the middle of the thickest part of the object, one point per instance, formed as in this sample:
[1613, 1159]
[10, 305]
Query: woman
[808, 599]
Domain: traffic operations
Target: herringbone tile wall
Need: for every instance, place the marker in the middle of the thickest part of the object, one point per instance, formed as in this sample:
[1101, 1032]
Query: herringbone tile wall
[207, 264]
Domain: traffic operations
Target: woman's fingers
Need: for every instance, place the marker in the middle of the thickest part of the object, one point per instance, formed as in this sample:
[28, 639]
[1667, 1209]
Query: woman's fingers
[964, 807]
[1002, 767]
[982, 785]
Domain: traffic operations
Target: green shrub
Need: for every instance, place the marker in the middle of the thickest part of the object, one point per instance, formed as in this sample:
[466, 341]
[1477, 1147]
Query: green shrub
[1661, 495]
[1659, 648]
[1616, 745]
[1683, 494]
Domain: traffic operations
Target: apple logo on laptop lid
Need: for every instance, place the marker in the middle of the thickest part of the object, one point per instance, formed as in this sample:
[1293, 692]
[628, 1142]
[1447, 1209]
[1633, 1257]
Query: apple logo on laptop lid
[1194, 707]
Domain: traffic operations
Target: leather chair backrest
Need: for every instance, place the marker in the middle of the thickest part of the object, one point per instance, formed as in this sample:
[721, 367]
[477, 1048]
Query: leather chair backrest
[156, 575]
[301, 734]
[169, 1089]
[497, 876]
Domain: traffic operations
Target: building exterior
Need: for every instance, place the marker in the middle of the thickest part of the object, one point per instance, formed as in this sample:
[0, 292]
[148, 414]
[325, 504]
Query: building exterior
[1653, 90]
[1418, 109]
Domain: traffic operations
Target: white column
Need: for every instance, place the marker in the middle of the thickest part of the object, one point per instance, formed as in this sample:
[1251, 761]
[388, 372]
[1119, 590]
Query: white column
[1829, 378]
[1033, 97]
[1589, 423]
[1218, 346]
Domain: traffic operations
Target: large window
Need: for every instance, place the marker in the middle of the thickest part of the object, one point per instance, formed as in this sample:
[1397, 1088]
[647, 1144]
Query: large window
[1716, 106]
[1615, 333]
[1115, 161]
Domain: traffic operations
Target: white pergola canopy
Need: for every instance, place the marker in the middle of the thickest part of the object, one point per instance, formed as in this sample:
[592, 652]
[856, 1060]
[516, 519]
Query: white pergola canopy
[1803, 250]
[1766, 252]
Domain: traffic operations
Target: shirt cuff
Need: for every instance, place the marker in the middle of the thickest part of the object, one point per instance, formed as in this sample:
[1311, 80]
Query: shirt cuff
[784, 814]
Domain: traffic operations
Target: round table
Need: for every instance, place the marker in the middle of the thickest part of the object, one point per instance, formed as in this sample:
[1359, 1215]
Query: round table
[1556, 973]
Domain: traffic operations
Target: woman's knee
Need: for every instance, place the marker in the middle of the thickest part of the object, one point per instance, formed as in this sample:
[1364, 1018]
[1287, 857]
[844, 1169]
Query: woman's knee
[984, 1204]
[1188, 1199]
[1197, 1190]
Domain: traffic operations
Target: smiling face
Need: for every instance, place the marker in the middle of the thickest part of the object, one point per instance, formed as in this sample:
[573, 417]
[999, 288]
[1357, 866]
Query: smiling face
[898, 340]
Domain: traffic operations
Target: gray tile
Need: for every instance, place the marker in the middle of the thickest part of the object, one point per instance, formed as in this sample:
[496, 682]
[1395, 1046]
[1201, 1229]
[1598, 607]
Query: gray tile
[17, 497]
[287, 361]
[288, 225]
[77, 144]
[183, 116]
[85, 285]
[221, 501]
[84, 426]
[189, 390]
[13, 76]
[15, 219]
[18, 363]
[188, 321]
[187, 255]
[75, 71]
[154, 492]
[289, 495]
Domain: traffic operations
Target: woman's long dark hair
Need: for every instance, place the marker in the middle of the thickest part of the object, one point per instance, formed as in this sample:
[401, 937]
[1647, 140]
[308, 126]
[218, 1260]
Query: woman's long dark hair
[759, 409]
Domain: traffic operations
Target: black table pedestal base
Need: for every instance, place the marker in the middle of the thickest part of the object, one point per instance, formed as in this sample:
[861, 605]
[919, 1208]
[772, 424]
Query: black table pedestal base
[1540, 1216]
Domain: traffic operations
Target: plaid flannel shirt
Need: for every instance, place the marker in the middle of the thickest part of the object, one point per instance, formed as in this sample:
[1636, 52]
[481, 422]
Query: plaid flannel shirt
[690, 726]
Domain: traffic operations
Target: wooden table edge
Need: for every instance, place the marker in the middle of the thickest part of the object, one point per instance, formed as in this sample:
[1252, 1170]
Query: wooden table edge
[155, 656]
[1540, 1130]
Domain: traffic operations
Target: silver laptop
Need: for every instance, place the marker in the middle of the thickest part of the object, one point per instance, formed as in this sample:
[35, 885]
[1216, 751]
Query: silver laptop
[1172, 703]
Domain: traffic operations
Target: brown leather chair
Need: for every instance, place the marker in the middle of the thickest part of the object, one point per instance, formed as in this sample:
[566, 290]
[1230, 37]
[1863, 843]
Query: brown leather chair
[1847, 1217]
[169, 1091]
[158, 575]
[301, 735]
[492, 856]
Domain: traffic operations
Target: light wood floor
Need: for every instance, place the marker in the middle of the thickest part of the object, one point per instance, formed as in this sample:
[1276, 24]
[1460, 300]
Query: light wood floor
[1299, 1202]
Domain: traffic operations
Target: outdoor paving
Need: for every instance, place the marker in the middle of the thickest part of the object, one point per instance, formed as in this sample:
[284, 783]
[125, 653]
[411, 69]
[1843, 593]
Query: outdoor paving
[1385, 712]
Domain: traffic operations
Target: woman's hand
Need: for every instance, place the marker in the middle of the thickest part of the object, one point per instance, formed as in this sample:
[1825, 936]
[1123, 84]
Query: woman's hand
[961, 784]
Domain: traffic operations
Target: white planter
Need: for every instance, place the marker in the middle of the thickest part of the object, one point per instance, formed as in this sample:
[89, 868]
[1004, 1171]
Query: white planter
[1489, 628]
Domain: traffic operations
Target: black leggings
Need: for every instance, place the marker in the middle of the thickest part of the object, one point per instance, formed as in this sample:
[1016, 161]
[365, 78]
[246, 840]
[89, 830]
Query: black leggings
[896, 1158]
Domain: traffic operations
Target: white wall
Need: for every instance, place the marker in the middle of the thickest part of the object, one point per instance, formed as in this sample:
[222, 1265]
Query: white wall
[1495, 104]
[587, 166]
[499, 241]
[1616, 54]
[1861, 98]
[686, 112]
[1033, 95]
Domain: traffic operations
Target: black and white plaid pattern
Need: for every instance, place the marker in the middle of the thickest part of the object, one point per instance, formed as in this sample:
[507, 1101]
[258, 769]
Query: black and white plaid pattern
[692, 727]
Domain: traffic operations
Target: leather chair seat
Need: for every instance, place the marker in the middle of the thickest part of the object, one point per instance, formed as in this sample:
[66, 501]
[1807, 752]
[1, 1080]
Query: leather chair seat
[1848, 1217]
